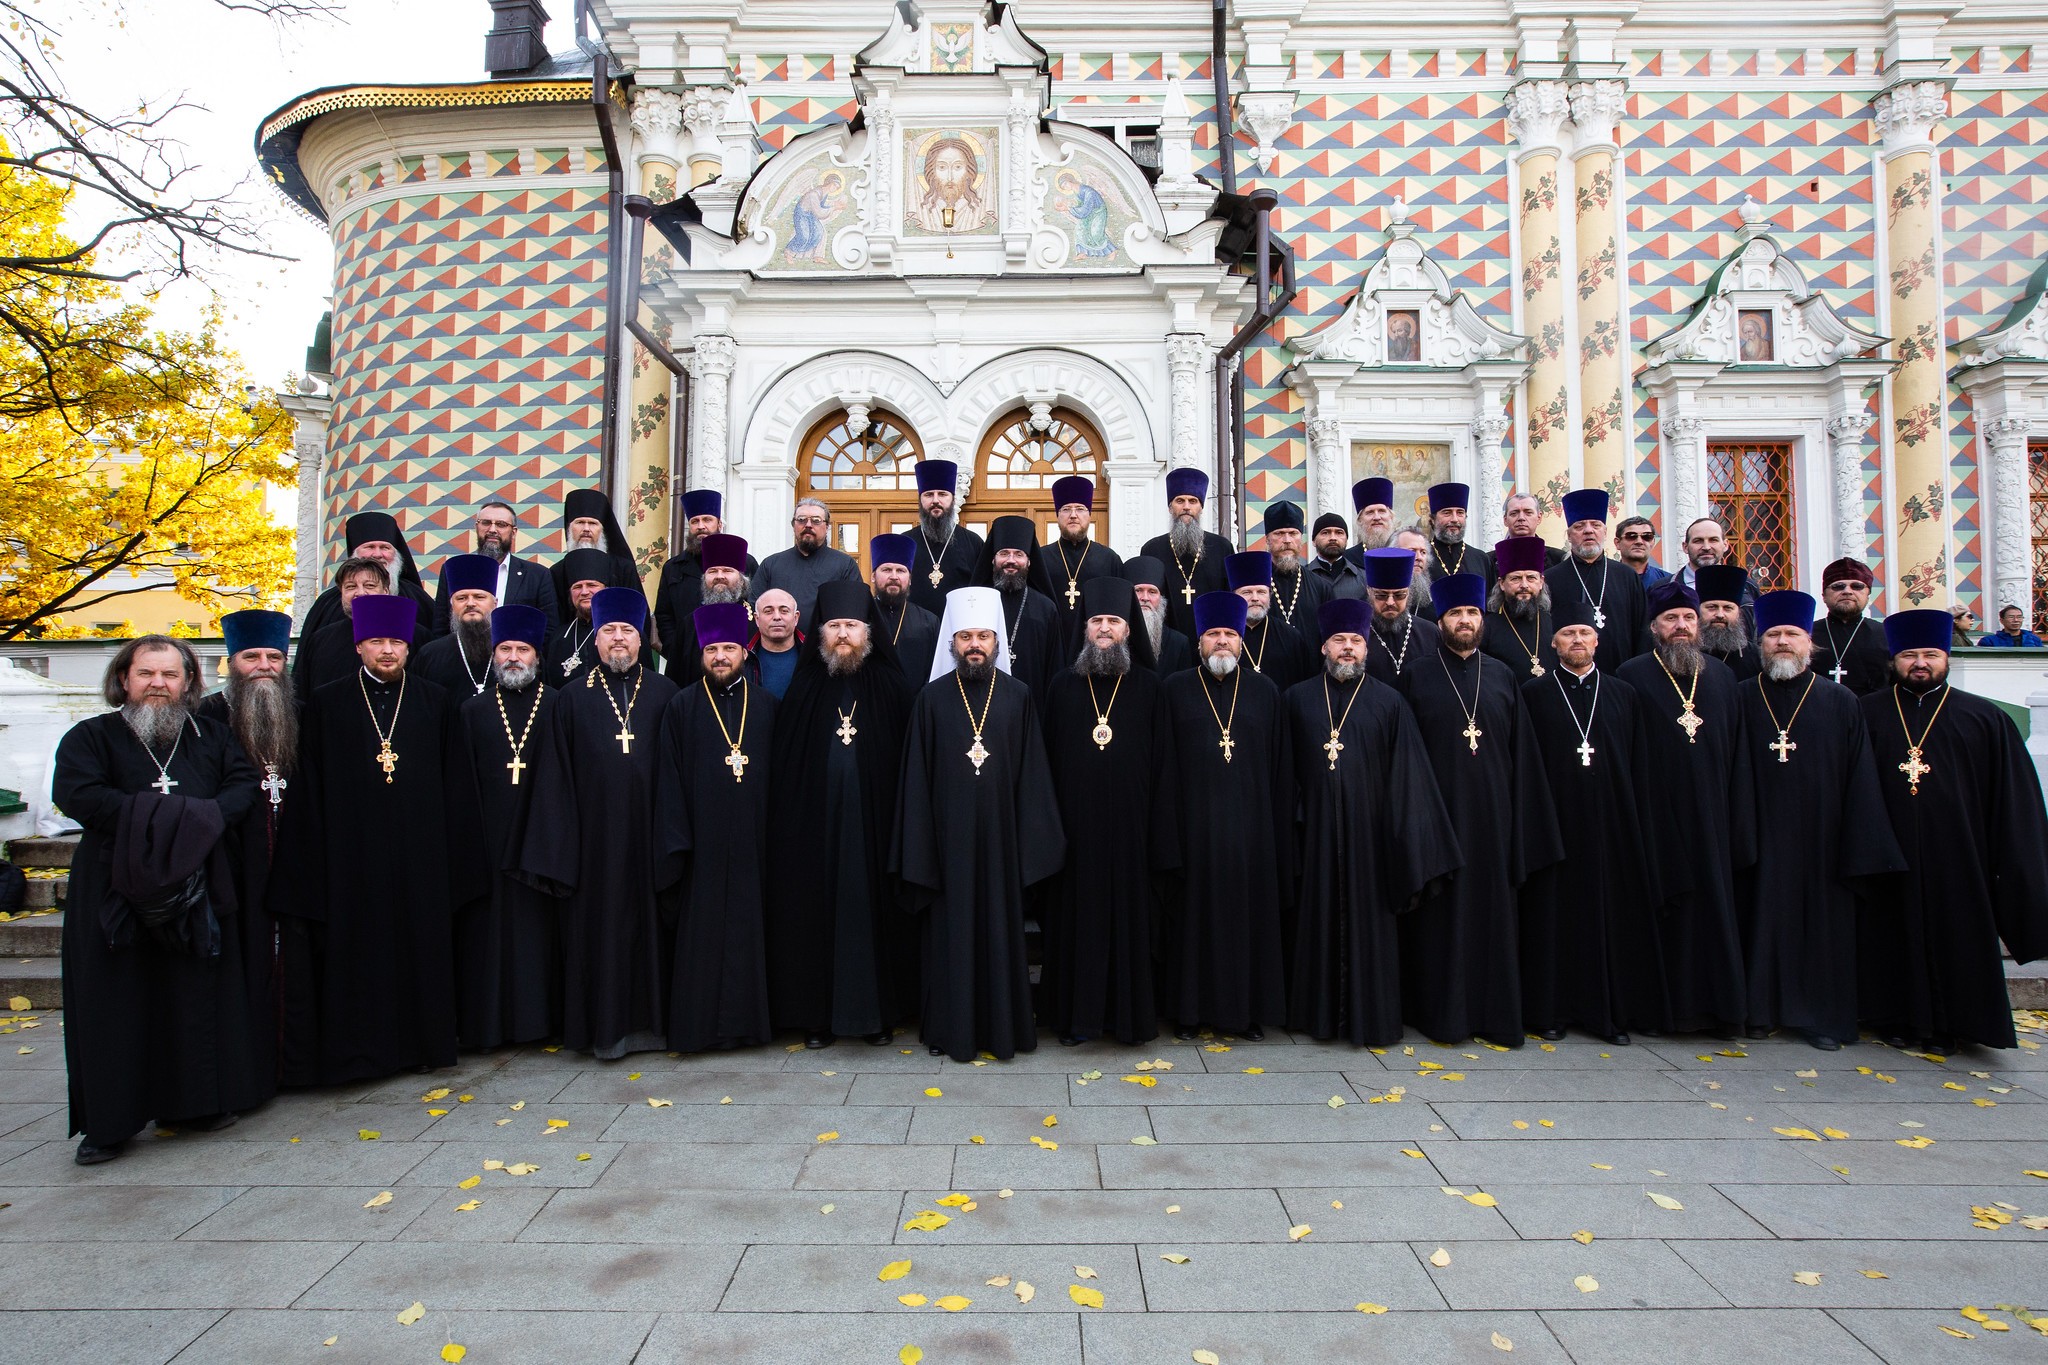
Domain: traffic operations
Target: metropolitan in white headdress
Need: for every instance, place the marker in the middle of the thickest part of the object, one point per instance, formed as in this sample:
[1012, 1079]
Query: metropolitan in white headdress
[970, 609]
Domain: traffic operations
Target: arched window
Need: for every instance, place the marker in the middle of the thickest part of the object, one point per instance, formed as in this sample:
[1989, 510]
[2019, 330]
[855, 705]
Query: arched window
[1017, 466]
[867, 477]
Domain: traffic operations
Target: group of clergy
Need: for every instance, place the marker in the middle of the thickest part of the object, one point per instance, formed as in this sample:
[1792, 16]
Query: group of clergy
[1483, 794]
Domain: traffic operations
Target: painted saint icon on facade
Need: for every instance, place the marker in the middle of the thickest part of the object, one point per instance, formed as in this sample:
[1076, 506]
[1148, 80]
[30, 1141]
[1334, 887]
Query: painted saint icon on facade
[951, 188]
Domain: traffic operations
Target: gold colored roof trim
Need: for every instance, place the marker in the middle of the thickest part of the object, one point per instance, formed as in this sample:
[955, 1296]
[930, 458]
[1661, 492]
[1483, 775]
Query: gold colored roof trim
[433, 97]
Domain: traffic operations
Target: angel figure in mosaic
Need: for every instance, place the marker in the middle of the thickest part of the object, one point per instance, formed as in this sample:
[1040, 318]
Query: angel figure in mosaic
[813, 209]
[1083, 201]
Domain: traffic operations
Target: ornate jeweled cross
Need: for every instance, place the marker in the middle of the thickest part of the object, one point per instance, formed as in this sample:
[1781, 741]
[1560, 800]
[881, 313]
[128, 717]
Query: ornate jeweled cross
[387, 760]
[1333, 746]
[737, 761]
[1690, 722]
[1472, 732]
[1914, 770]
[1073, 593]
[977, 755]
[1784, 747]
[273, 785]
[1226, 744]
[846, 730]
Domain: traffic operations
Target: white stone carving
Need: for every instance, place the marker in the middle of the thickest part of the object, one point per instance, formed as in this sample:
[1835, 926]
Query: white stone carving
[1537, 112]
[2012, 559]
[1845, 461]
[310, 413]
[1907, 115]
[1682, 451]
[1807, 331]
[711, 367]
[1189, 357]
[1406, 277]
[1327, 449]
[1597, 109]
[1266, 114]
[2021, 335]
[658, 119]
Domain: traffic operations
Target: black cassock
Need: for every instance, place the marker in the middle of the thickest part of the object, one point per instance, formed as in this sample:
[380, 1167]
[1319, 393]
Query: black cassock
[1518, 644]
[1745, 663]
[150, 1032]
[326, 609]
[1446, 558]
[1614, 590]
[1279, 653]
[1700, 792]
[571, 653]
[590, 840]
[252, 849]
[1225, 963]
[1820, 828]
[1117, 805]
[1391, 652]
[1206, 572]
[454, 670]
[1032, 624]
[371, 872]
[957, 557]
[323, 656]
[1375, 838]
[1176, 653]
[969, 841]
[508, 938]
[842, 951]
[712, 847]
[914, 634]
[1859, 647]
[1060, 563]
[1460, 957]
[1297, 597]
[1976, 843]
[1592, 945]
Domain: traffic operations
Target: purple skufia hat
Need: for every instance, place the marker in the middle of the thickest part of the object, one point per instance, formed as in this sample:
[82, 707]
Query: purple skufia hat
[703, 502]
[1456, 590]
[891, 548]
[1585, 504]
[722, 623]
[624, 606]
[1186, 482]
[1920, 628]
[470, 573]
[1343, 616]
[381, 616]
[1372, 492]
[521, 623]
[721, 551]
[254, 628]
[1518, 554]
[937, 476]
[1219, 611]
[1249, 569]
[1447, 495]
[1670, 595]
[1389, 568]
[1782, 608]
[1073, 488]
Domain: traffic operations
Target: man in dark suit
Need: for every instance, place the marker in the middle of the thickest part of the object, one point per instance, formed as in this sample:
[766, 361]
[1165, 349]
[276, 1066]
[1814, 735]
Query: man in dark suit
[521, 582]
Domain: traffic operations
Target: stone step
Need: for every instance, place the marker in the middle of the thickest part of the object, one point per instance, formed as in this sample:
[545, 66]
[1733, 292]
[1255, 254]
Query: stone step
[31, 936]
[2027, 986]
[42, 852]
[44, 893]
[41, 979]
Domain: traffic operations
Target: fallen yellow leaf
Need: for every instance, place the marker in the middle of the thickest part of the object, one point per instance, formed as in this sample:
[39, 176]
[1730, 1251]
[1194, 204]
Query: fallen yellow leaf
[2038, 1175]
[895, 1270]
[1916, 1142]
[1084, 1272]
[521, 1168]
[829, 1136]
[515, 1108]
[1174, 1257]
[378, 1201]
[1142, 1140]
[1024, 1291]
[469, 1206]
[1601, 1166]
[1337, 1101]
[1873, 1275]
[17, 1002]
[1147, 1081]
[909, 1355]
[1004, 1194]
[1807, 1134]
[367, 1135]
[1521, 1125]
[953, 1303]
[1084, 1295]
[954, 1201]
[470, 1183]
[412, 1315]
[912, 1300]
[454, 1351]
[1202, 1357]
[438, 1113]
[653, 1103]
[1808, 1277]
[1953, 1085]
[978, 1140]
[583, 1156]
[1835, 1133]
[441, 1094]
[1585, 1284]
[1373, 1308]
[330, 1341]
[1440, 1258]
[1483, 1200]
[929, 1220]
[1041, 1142]
[1255, 1071]
[1050, 1121]
[998, 1281]
[933, 1092]
[1410, 1151]
[1584, 1237]
[1956, 1331]
[558, 1123]
[1501, 1343]
[1298, 1231]
[1665, 1201]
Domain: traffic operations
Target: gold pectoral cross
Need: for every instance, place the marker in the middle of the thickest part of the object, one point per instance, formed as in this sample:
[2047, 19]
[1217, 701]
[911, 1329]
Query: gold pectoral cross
[1914, 770]
[1187, 593]
[387, 760]
[977, 755]
[846, 731]
[1333, 746]
[516, 766]
[1690, 722]
[1535, 669]
[737, 761]
[1784, 747]
[1073, 593]
[936, 576]
[1472, 732]
[1226, 744]
[625, 739]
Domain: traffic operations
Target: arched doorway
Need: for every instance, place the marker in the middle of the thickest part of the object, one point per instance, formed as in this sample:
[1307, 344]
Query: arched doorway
[866, 477]
[1016, 466]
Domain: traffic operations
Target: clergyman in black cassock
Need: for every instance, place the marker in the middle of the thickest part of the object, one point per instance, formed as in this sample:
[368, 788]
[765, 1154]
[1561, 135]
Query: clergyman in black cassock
[1821, 831]
[1225, 963]
[1726, 627]
[711, 805]
[572, 651]
[508, 954]
[1592, 951]
[1297, 593]
[1073, 558]
[1171, 650]
[977, 825]
[153, 1028]
[1273, 649]
[1700, 798]
[1190, 559]
[327, 649]
[258, 706]
[1398, 641]
[1376, 839]
[590, 837]
[1448, 551]
[375, 853]
[912, 632]
[842, 954]
[1610, 592]
[1519, 623]
[1112, 753]
[1965, 803]
[369, 532]
[1848, 646]
[460, 661]
[591, 504]
[1031, 624]
[939, 541]
[1460, 961]
[724, 559]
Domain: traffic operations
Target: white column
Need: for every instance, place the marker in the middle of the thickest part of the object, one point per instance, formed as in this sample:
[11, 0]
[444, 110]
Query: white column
[1328, 488]
[1189, 358]
[310, 414]
[1488, 432]
[1845, 457]
[1682, 448]
[2012, 556]
[711, 367]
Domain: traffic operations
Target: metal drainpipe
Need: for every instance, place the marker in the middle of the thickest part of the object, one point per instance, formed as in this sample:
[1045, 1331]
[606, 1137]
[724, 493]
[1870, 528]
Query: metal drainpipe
[614, 203]
[1219, 75]
[1230, 386]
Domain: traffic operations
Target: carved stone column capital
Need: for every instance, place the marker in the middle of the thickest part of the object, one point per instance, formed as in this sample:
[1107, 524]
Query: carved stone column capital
[1597, 109]
[1537, 112]
[1907, 115]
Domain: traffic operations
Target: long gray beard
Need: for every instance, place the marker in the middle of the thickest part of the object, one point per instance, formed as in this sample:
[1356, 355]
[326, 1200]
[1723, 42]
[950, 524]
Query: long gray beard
[1724, 637]
[156, 723]
[1451, 535]
[1254, 614]
[1221, 665]
[1155, 626]
[973, 672]
[1682, 657]
[266, 720]
[514, 677]
[842, 666]
[1376, 538]
[1343, 673]
[1285, 561]
[473, 637]
[1521, 612]
[714, 596]
[1587, 554]
[1185, 536]
[1012, 580]
[1100, 661]
[941, 526]
[625, 665]
[1784, 667]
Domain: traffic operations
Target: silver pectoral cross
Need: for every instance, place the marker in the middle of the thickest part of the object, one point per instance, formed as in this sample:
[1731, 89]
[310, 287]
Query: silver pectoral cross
[1838, 672]
[1586, 752]
[164, 783]
[274, 785]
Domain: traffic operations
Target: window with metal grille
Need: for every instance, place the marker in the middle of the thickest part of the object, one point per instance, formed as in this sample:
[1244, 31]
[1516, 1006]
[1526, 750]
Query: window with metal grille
[1017, 466]
[1749, 491]
[867, 477]
[2037, 506]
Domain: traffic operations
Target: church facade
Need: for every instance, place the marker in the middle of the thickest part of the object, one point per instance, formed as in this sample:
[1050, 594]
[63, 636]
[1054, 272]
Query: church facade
[1779, 264]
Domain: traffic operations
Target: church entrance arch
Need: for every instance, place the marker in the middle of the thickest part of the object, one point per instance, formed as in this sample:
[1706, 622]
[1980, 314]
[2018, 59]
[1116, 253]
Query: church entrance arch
[866, 475]
[1018, 462]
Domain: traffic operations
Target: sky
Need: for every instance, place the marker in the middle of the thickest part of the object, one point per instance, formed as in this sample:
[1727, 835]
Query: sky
[234, 69]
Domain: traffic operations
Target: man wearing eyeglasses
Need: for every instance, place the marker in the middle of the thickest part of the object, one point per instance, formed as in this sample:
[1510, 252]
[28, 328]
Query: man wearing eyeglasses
[521, 582]
[812, 561]
[1848, 646]
[1633, 539]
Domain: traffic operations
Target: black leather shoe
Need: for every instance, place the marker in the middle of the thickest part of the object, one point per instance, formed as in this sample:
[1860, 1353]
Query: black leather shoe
[1253, 1034]
[1072, 1039]
[814, 1041]
[1550, 1035]
[1186, 1035]
[1619, 1039]
[1651, 1032]
[1895, 1040]
[1823, 1042]
[1756, 1035]
[89, 1155]
[1943, 1046]
[882, 1039]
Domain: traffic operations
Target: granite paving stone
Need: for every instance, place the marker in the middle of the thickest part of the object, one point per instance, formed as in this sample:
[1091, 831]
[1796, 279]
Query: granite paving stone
[834, 1339]
[1278, 1338]
[622, 1214]
[1614, 1210]
[1707, 1337]
[736, 1122]
[1300, 1277]
[341, 1212]
[362, 1337]
[554, 1161]
[784, 1279]
[1916, 1274]
[874, 1166]
[1228, 1165]
[119, 1213]
[955, 1124]
[1932, 1212]
[390, 1275]
[163, 1275]
[1106, 1216]
[103, 1336]
[1897, 1334]
[1509, 1274]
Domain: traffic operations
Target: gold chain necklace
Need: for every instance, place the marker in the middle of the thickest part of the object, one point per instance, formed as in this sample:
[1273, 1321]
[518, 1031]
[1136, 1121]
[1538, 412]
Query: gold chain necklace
[1187, 575]
[977, 754]
[1688, 719]
[1265, 634]
[1436, 550]
[1784, 747]
[734, 760]
[387, 757]
[1334, 746]
[847, 730]
[1916, 767]
[1102, 734]
[1471, 733]
[1226, 744]
[517, 765]
[625, 734]
[1536, 669]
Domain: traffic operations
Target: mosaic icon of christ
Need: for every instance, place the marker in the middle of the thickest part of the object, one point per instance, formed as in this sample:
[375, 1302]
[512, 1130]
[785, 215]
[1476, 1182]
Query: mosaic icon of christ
[951, 177]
